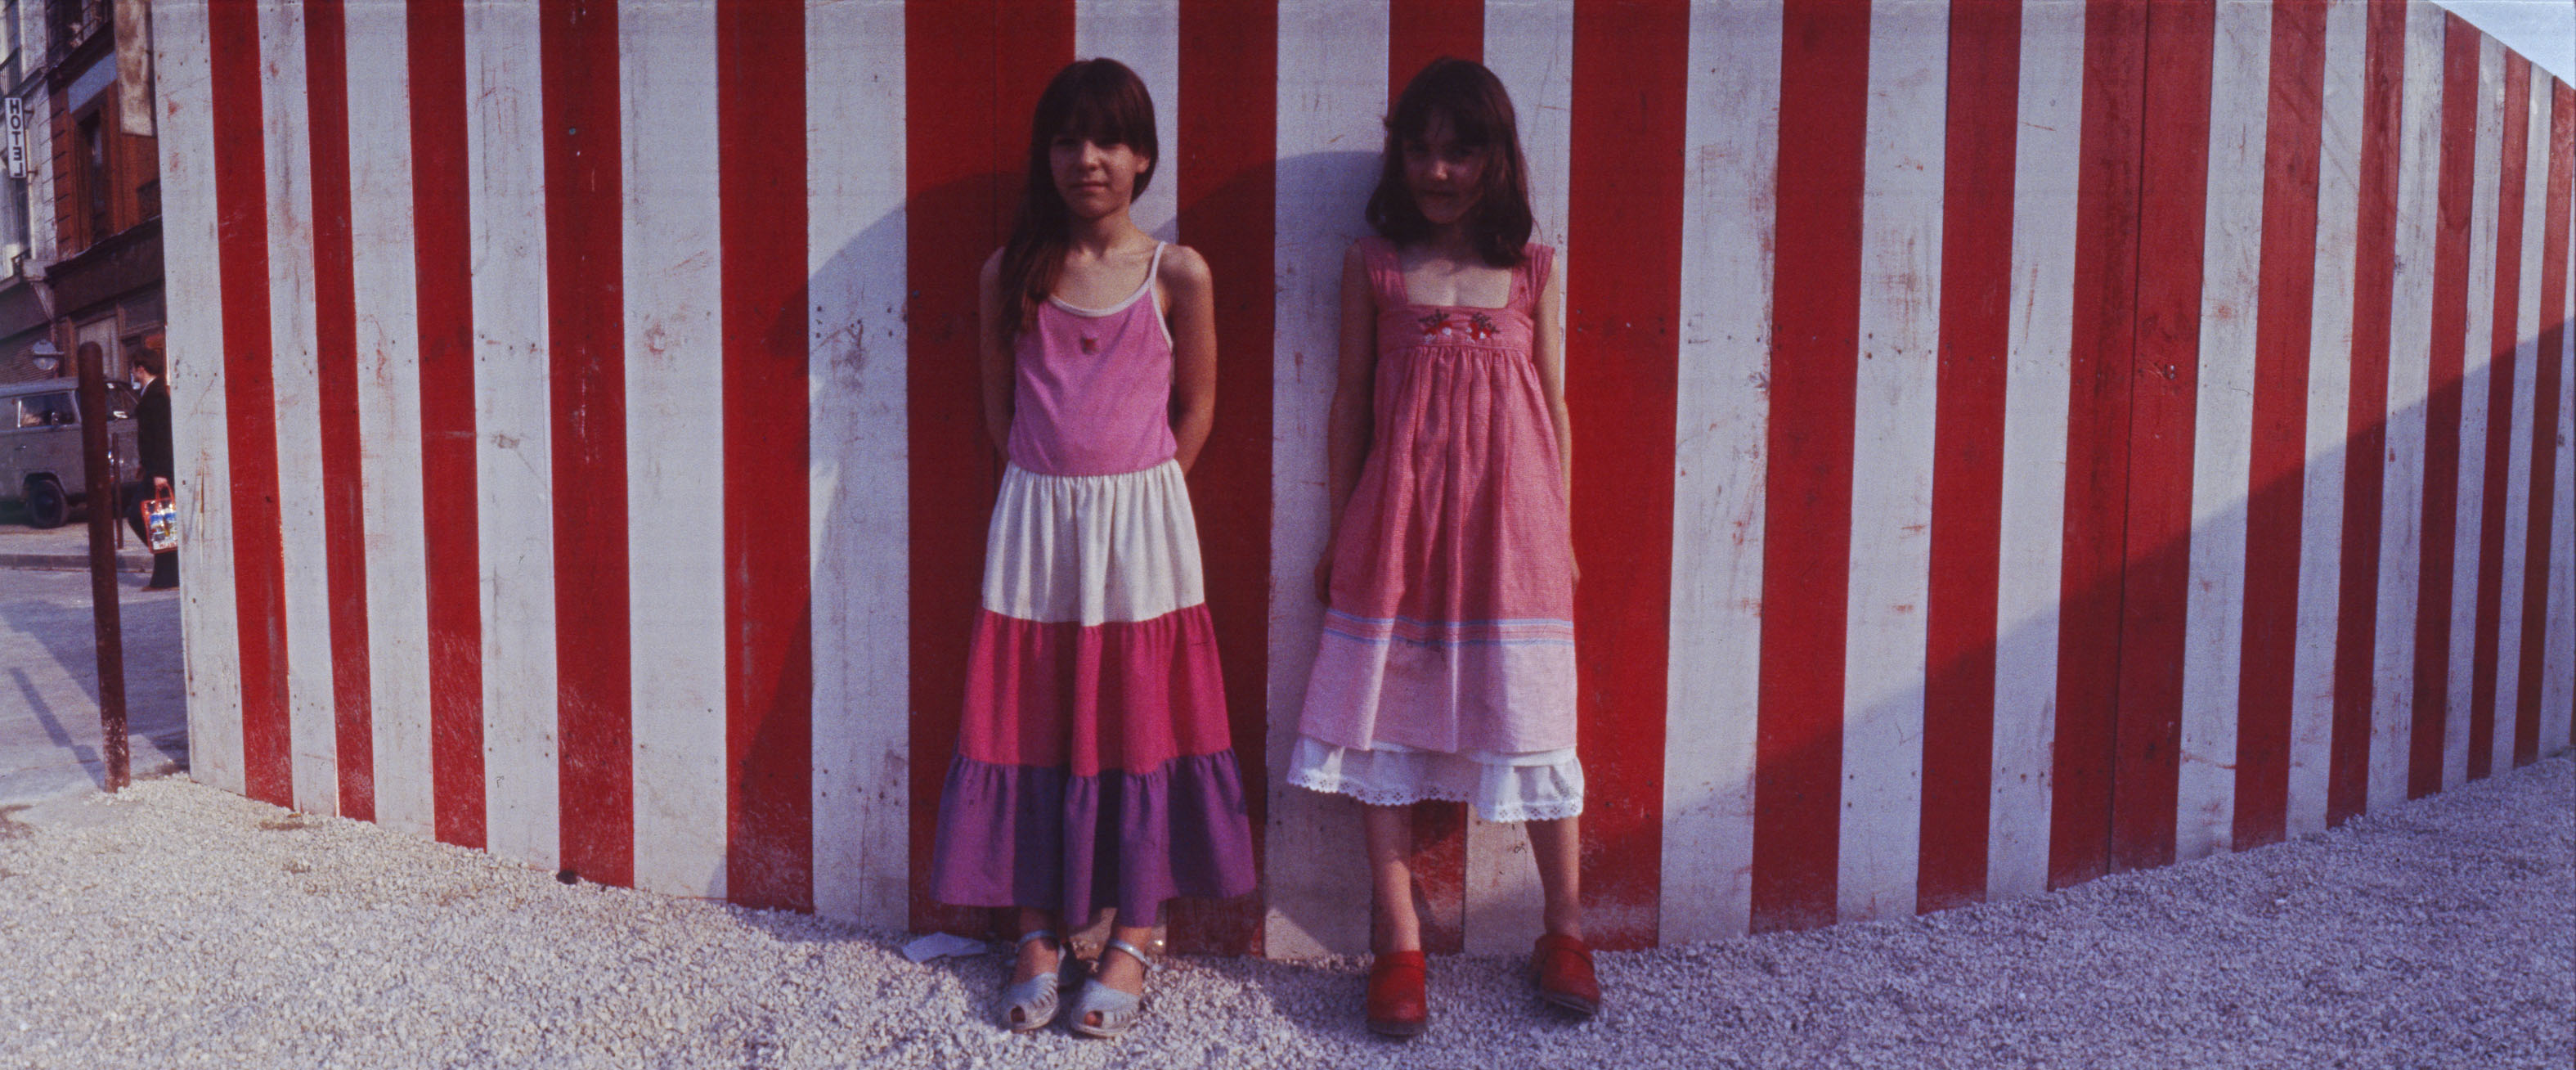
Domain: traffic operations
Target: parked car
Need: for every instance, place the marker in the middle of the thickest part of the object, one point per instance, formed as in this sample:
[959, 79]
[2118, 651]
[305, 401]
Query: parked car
[40, 447]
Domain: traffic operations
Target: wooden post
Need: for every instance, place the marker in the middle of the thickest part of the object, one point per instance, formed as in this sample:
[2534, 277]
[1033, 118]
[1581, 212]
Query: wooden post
[102, 565]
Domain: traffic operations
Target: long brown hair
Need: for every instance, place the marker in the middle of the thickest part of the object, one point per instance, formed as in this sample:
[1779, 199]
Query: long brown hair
[1097, 99]
[1480, 113]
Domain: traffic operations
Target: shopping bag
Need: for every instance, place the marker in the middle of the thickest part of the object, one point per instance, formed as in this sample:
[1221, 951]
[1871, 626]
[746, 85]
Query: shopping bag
[161, 524]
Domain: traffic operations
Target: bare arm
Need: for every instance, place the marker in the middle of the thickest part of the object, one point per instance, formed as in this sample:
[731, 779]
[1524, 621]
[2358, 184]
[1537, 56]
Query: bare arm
[1190, 292]
[1347, 431]
[1551, 378]
[993, 354]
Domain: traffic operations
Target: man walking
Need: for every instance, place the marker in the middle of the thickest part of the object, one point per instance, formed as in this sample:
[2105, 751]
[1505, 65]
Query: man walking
[152, 430]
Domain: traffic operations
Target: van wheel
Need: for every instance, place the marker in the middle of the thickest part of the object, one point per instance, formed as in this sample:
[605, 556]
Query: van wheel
[46, 507]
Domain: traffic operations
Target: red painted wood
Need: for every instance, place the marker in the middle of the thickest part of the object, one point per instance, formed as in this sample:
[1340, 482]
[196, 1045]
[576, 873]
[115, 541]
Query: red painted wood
[250, 399]
[2097, 430]
[1228, 124]
[966, 146]
[2548, 365]
[2504, 336]
[1806, 549]
[449, 502]
[1967, 458]
[2366, 419]
[335, 337]
[1419, 31]
[2276, 477]
[2442, 407]
[586, 371]
[2164, 381]
[1623, 344]
[769, 612]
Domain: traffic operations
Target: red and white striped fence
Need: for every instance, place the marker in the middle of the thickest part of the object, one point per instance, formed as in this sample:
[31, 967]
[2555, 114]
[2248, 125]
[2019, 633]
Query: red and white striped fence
[2017, 442]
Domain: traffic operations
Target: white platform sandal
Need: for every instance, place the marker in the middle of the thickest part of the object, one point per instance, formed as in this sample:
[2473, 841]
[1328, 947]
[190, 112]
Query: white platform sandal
[1118, 1011]
[1029, 1005]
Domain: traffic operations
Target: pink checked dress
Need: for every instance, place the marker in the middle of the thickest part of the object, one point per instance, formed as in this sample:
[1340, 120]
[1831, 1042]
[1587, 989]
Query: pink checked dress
[1446, 666]
[1094, 766]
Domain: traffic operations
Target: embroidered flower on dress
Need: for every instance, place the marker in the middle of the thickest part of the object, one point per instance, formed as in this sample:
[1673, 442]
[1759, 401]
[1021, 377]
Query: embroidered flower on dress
[1481, 327]
[1435, 324]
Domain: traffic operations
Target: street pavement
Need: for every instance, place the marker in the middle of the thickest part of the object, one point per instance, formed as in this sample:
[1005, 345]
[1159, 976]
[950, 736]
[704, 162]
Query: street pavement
[65, 547]
[49, 720]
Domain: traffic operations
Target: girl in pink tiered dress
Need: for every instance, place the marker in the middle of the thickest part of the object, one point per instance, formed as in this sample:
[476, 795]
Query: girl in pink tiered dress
[1446, 665]
[1094, 766]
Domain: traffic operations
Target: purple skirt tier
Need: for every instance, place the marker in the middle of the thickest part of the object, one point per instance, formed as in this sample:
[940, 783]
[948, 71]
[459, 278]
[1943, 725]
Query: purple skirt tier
[1042, 838]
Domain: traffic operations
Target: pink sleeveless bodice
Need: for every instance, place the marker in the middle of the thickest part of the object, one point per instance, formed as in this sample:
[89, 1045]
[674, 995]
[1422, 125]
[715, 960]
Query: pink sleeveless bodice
[1093, 387]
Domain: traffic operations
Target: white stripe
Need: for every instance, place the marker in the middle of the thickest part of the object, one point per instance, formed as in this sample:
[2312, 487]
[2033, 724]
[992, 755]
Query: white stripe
[2031, 558]
[1529, 45]
[2517, 500]
[1721, 407]
[380, 220]
[2478, 360]
[513, 415]
[674, 446]
[862, 642]
[1892, 442]
[2558, 691]
[196, 354]
[2330, 326]
[2231, 282]
[2401, 529]
[1146, 36]
[313, 736]
[1332, 90]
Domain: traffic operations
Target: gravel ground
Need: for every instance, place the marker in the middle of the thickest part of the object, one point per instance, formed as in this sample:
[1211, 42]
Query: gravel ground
[182, 926]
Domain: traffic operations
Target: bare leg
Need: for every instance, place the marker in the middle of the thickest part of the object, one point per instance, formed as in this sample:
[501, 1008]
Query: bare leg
[1390, 847]
[1558, 847]
[1037, 956]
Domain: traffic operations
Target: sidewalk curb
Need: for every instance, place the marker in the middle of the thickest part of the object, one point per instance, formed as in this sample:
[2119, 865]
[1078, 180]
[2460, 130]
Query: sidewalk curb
[125, 562]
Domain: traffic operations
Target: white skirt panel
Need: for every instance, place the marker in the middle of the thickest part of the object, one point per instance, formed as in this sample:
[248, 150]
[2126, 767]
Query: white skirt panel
[1092, 549]
[1524, 786]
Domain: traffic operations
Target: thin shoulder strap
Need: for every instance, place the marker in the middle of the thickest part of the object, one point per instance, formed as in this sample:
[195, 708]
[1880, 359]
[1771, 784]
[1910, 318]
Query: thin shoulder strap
[1155, 267]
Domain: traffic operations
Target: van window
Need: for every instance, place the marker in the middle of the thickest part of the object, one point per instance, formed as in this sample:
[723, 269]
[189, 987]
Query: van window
[120, 401]
[46, 410]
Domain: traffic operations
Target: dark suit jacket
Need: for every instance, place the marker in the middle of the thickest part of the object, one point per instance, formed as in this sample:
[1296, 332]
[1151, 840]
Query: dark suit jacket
[152, 428]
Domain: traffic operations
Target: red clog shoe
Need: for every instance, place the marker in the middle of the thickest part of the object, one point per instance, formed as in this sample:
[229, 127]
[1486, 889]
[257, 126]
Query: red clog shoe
[1562, 967]
[1397, 1005]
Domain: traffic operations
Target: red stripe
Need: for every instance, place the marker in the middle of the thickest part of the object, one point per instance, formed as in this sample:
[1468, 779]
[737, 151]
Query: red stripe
[586, 371]
[2097, 422]
[1623, 349]
[2164, 376]
[2504, 334]
[2366, 420]
[335, 336]
[2277, 474]
[769, 621]
[2442, 406]
[2544, 425]
[250, 398]
[1806, 551]
[1227, 119]
[966, 128]
[1967, 460]
[449, 501]
[1419, 31]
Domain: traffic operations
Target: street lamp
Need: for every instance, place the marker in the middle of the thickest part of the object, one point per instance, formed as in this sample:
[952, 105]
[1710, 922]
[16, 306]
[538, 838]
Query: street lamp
[47, 356]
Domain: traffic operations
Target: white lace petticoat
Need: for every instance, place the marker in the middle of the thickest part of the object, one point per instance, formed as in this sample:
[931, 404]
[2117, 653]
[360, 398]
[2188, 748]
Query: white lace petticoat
[1525, 786]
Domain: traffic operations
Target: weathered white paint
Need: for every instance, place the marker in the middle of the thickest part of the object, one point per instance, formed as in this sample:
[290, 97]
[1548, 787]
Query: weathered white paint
[1332, 92]
[514, 427]
[674, 446]
[2479, 358]
[854, 86]
[1720, 408]
[2222, 449]
[2558, 684]
[314, 745]
[381, 226]
[2517, 502]
[2047, 150]
[1146, 36]
[197, 416]
[2401, 530]
[1892, 447]
[2329, 403]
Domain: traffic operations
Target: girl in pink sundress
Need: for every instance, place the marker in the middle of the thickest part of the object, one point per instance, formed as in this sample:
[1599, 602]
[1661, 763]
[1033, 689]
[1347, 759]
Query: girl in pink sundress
[1094, 768]
[1446, 665]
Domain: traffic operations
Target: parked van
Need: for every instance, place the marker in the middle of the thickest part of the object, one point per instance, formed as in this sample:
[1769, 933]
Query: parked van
[40, 446]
